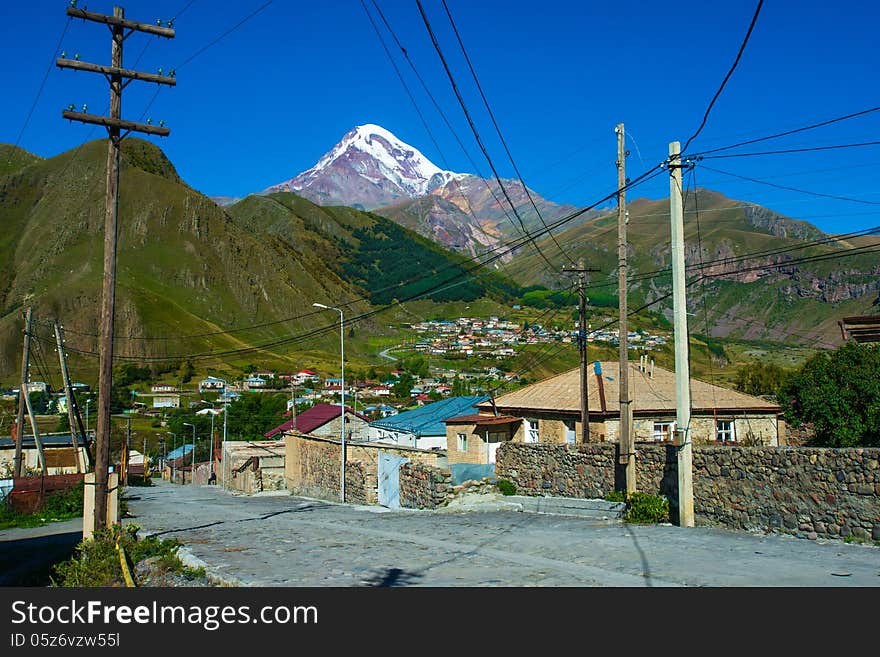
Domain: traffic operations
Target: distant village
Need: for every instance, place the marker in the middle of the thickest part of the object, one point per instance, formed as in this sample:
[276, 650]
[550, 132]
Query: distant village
[499, 339]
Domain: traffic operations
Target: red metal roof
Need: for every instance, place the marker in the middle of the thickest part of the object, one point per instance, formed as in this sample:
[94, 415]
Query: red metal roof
[317, 416]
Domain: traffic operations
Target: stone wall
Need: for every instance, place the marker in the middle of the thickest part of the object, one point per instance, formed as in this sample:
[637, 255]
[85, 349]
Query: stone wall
[312, 467]
[808, 492]
[560, 470]
[423, 486]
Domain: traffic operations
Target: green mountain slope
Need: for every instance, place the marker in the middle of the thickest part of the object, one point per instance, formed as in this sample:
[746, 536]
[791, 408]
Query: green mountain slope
[189, 270]
[746, 298]
[387, 261]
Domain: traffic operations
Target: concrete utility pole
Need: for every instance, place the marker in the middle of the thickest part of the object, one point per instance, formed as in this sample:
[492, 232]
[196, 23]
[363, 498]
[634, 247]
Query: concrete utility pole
[342, 404]
[24, 402]
[120, 29]
[680, 327]
[626, 450]
[582, 272]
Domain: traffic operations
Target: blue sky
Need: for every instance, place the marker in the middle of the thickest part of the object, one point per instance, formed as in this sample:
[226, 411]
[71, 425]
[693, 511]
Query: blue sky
[267, 101]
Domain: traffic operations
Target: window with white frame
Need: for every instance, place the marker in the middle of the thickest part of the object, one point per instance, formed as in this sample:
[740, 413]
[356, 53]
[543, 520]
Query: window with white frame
[724, 431]
[664, 431]
[532, 430]
[570, 434]
[462, 442]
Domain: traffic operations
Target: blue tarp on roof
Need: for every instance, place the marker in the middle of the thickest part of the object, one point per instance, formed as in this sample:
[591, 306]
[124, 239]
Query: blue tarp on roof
[428, 420]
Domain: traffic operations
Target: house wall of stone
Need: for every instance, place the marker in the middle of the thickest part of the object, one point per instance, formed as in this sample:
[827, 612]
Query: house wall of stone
[356, 427]
[809, 492]
[312, 467]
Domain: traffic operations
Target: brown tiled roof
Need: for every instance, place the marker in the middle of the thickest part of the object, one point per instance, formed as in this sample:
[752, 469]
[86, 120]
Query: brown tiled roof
[649, 394]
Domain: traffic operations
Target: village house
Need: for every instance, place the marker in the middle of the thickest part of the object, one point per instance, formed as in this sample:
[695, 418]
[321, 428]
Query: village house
[166, 401]
[304, 376]
[211, 383]
[324, 420]
[264, 374]
[254, 382]
[423, 427]
[64, 454]
[163, 387]
[549, 412]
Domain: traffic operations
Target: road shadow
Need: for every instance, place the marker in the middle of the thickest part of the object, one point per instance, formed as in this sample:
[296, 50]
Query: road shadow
[265, 516]
[29, 561]
[399, 577]
[646, 567]
[392, 577]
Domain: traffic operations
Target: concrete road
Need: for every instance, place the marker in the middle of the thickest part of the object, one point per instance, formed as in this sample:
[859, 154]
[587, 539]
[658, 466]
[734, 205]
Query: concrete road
[288, 541]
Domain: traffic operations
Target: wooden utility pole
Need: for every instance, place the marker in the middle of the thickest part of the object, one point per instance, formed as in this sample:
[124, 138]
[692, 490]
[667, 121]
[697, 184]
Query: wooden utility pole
[680, 327]
[22, 391]
[582, 272]
[68, 392]
[626, 449]
[120, 29]
[73, 404]
[24, 402]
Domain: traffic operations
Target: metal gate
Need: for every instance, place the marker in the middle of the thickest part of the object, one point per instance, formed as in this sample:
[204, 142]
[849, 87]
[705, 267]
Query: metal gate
[389, 479]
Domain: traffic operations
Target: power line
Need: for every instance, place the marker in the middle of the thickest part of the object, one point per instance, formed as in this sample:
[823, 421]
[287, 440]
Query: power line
[43, 82]
[415, 105]
[792, 189]
[474, 128]
[209, 45]
[726, 77]
[788, 150]
[445, 118]
[498, 130]
[792, 132]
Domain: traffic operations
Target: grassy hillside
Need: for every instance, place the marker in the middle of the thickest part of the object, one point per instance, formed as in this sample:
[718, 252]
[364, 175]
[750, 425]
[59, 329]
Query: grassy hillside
[184, 267]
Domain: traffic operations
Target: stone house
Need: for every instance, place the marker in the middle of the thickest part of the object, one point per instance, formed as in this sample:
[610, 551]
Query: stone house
[252, 467]
[325, 420]
[549, 412]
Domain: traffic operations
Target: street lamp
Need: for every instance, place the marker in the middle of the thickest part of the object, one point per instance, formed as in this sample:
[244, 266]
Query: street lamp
[192, 476]
[173, 446]
[223, 446]
[342, 404]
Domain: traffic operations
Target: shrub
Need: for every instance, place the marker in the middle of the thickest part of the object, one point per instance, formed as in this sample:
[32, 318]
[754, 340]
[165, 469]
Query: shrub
[60, 505]
[96, 561]
[643, 508]
[506, 487]
[616, 496]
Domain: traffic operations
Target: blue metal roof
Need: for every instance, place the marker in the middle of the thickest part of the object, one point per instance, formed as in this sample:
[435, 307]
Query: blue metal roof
[428, 420]
[183, 450]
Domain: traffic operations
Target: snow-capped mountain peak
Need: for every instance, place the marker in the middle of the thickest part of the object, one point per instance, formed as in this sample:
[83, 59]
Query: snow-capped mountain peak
[369, 167]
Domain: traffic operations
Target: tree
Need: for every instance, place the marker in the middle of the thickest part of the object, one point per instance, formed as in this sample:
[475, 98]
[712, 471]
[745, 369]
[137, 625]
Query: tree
[40, 402]
[404, 384]
[839, 394]
[254, 414]
[760, 379]
[186, 372]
